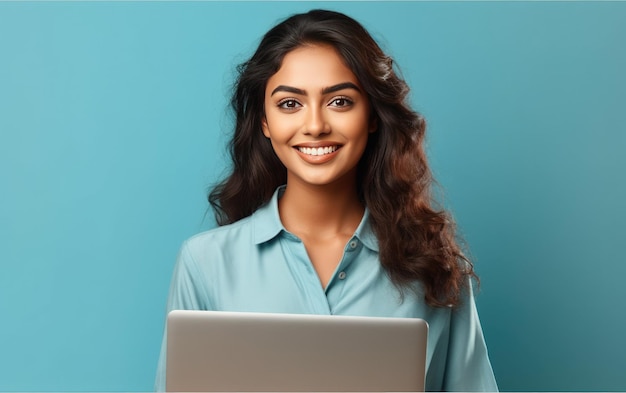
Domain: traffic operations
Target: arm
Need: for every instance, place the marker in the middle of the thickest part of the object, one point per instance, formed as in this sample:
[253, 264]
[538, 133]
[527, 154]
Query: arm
[187, 292]
[468, 367]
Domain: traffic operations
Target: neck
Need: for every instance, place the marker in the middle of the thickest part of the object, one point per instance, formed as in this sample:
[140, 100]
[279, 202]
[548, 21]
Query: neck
[320, 211]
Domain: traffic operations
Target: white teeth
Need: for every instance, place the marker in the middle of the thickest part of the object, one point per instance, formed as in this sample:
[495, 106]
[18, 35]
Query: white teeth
[318, 151]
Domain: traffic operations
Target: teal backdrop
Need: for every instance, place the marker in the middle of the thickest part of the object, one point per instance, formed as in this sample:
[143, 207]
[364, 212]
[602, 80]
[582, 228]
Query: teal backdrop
[113, 123]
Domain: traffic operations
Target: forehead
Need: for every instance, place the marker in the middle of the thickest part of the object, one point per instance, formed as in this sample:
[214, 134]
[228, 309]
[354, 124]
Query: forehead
[313, 66]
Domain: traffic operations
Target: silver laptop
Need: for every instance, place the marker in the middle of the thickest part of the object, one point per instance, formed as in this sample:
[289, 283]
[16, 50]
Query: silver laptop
[233, 351]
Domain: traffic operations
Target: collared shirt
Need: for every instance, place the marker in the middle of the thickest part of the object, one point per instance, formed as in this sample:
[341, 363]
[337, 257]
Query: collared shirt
[256, 265]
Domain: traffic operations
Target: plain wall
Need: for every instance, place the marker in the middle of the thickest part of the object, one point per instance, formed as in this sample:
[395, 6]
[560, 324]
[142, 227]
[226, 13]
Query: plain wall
[113, 123]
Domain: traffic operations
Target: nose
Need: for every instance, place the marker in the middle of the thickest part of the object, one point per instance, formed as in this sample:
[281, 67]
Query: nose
[316, 124]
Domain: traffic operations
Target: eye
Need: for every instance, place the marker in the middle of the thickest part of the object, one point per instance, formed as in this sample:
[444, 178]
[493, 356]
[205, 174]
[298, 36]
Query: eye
[289, 104]
[341, 102]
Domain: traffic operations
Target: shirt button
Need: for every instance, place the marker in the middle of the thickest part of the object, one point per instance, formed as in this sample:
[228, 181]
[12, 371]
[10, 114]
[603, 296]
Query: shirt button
[353, 244]
[342, 275]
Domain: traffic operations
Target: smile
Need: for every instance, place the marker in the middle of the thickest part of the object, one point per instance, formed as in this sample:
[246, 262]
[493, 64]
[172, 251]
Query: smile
[317, 151]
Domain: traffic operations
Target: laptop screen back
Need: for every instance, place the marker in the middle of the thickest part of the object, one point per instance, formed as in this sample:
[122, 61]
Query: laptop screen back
[231, 351]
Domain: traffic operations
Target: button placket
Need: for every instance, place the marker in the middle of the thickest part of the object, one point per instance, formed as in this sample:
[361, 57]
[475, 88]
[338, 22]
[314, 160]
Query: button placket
[353, 244]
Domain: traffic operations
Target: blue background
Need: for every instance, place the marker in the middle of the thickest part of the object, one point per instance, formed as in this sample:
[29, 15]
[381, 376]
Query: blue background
[113, 123]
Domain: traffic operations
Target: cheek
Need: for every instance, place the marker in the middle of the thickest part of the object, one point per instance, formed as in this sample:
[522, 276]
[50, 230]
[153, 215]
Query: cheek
[279, 137]
[279, 140]
[357, 126]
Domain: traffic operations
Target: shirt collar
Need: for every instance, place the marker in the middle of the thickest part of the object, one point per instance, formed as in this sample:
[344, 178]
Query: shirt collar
[267, 224]
[266, 219]
[365, 233]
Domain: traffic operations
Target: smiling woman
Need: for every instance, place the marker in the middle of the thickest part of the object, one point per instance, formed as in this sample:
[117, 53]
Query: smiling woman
[327, 209]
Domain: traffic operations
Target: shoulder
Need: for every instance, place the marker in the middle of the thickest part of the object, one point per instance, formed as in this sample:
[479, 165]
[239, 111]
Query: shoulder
[232, 235]
[263, 225]
[206, 255]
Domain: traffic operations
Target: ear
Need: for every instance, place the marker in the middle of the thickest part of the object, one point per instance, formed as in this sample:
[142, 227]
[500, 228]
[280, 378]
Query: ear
[264, 126]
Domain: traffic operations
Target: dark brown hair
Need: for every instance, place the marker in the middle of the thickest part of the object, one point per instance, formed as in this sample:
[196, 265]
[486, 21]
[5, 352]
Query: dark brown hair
[417, 242]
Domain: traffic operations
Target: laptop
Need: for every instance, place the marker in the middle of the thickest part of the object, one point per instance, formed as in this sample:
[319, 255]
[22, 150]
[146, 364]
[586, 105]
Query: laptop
[235, 351]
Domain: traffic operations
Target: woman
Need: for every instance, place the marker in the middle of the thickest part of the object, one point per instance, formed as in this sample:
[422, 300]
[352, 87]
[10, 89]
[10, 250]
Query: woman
[327, 209]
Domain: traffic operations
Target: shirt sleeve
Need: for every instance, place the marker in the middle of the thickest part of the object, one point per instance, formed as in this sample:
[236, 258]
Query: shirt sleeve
[468, 368]
[187, 292]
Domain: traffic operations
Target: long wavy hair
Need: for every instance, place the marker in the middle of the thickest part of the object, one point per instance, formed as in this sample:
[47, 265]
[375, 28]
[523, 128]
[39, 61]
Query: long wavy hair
[417, 242]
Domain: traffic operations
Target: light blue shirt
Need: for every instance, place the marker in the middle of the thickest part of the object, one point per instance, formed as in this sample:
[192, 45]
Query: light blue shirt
[255, 264]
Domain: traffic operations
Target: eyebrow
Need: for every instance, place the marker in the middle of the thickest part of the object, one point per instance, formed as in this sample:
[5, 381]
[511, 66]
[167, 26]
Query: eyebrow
[326, 90]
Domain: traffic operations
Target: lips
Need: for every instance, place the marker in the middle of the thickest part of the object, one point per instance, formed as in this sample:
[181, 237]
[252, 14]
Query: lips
[318, 153]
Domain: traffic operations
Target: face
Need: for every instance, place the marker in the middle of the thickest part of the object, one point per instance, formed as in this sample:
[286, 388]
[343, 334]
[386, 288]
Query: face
[317, 116]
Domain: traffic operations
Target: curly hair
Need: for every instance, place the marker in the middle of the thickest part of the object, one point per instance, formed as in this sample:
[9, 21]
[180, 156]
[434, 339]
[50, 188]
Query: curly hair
[417, 242]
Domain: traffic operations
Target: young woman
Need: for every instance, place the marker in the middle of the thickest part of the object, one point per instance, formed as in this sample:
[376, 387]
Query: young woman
[327, 209]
